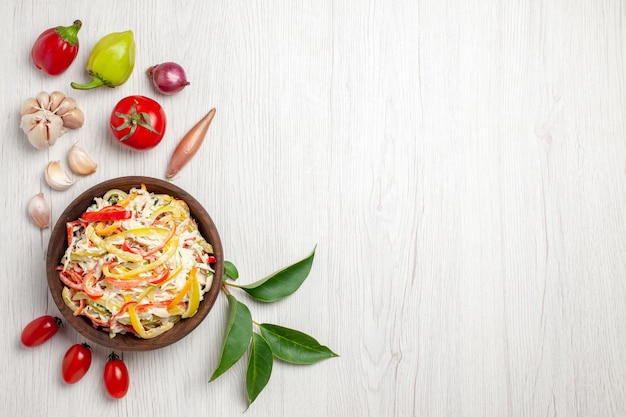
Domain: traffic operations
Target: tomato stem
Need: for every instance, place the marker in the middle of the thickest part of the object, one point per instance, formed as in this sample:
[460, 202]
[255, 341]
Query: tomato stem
[133, 120]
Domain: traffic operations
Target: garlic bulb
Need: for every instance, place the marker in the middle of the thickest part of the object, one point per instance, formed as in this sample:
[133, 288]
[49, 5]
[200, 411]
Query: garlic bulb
[42, 128]
[47, 117]
[56, 177]
[39, 211]
[80, 162]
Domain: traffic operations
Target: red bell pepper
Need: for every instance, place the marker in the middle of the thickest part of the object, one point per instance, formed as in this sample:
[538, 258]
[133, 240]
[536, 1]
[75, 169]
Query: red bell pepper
[56, 48]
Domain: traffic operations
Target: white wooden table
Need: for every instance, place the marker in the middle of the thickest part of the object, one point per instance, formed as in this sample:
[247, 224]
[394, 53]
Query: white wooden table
[461, 167]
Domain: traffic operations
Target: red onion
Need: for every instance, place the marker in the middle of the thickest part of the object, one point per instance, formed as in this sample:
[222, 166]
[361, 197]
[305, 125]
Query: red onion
[168, 77]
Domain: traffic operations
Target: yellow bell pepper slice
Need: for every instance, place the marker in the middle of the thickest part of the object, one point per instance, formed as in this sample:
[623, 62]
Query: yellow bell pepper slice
[67, 299]
[141, 331]
[125, 202]
[140, 231]
[103, 244]
[80, 295]
[151, 288]
[179, 297]
[194, 294]
[102, 229]
[118, 194]
[90, 253]
[175, 209]
[169, 250]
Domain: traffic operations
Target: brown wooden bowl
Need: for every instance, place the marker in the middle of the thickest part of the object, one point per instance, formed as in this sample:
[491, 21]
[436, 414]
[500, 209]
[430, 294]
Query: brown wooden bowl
[58, 245]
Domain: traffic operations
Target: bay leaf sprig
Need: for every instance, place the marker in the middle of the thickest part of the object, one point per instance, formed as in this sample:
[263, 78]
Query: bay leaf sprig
[281, 283]
[237, 338]
[268, 341]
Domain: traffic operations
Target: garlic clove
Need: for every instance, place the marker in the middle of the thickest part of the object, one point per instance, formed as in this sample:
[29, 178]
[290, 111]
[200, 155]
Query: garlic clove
[29, 106]
[39, 211]
[80, 162]
[35, 130]
[56, 177]
[43, 98]
[56, 97]
[37, 136]
[29, 121]
[66, 105]
[55, 129]
[73, 119]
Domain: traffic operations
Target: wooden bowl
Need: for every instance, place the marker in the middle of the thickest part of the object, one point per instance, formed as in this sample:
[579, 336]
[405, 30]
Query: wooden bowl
[58, 245]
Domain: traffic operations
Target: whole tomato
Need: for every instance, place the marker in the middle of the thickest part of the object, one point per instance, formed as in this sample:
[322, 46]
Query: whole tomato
[40, 330]
[138, 122]
[116, 380]
[76, 363]
[56, 48]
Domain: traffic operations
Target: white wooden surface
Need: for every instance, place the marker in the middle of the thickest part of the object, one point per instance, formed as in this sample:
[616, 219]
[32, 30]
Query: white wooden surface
[460, 165]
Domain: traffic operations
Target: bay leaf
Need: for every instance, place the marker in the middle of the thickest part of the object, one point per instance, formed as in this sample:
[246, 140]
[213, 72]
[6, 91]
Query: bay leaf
[260, 365]
[230, 271]
[294, 346]
[281, 283]
[237, 337]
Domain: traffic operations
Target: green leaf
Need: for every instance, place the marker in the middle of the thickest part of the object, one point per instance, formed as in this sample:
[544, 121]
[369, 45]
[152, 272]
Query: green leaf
[294, 346]
[281, 283]
[230, 271]
[237, 338]
[259, 367]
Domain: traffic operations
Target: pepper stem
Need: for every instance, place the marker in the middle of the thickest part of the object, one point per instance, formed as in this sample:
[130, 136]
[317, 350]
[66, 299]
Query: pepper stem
[95, 83]
[69, 33]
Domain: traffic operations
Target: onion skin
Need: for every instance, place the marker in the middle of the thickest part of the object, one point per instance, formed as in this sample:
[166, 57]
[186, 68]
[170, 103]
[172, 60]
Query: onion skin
[168, 78]
[189, 145]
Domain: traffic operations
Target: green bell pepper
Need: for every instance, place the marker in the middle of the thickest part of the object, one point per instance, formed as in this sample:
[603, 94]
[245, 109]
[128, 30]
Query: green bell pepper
[111, 62]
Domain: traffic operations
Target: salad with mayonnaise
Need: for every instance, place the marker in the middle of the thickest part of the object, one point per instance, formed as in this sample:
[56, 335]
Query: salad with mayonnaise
[135, 263]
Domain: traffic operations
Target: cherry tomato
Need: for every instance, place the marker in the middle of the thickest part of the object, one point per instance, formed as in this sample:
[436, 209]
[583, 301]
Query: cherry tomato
[116, 380]
[76, 363]
[56, 48]
[138, 122]
[40, 330]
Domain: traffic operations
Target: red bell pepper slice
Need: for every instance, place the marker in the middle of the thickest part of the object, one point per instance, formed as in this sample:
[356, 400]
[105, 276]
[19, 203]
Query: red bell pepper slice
[91, 287]
[70, 230]
[67, 278]
[162, 275]
[107, 213]
[96, 321]
[81, 307]
[119, 313]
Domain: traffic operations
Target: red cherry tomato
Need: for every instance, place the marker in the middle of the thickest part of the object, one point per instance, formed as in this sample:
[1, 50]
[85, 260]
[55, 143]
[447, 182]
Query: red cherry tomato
[40, 330]
[76, 363]
[56, 48]
[138, 122]
[116, 380]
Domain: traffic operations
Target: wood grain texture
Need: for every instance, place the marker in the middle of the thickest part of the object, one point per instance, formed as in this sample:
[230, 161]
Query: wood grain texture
[461, 167]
